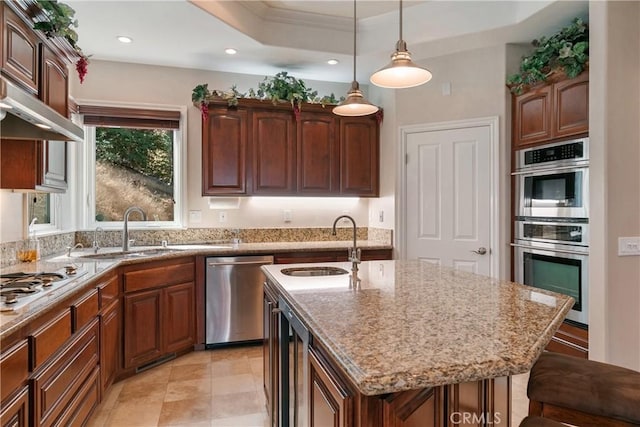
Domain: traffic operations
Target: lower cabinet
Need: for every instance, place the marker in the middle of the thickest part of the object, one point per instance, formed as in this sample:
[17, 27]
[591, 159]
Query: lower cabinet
[270, 353]
[62, 386]
[570, 339]
[330, 256]
[413, 408]
[15, 412]
[159, 311]
[330, 404]
[109, 344]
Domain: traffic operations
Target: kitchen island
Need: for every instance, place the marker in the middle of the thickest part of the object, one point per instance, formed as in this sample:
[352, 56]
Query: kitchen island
[412, 344]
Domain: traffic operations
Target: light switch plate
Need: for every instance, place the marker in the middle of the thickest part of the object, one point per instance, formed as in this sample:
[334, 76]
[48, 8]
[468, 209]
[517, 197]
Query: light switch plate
[287, 216]
[222, 216]
[628, 246]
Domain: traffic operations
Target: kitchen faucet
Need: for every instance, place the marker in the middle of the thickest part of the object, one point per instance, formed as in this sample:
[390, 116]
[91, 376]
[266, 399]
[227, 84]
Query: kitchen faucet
[354, 252]
[125, 230]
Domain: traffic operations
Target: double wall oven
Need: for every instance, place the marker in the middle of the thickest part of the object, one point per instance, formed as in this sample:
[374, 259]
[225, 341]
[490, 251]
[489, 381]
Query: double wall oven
[551, 231]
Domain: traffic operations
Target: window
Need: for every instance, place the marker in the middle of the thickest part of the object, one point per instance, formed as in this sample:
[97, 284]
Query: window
[40, 206]
[133, 159]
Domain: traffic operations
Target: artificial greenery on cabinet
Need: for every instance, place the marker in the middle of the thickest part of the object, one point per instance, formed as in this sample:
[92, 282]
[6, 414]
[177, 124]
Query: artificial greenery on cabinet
[564, 53]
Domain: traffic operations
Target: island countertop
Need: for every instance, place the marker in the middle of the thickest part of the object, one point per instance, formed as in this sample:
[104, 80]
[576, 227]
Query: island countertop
[412, 325]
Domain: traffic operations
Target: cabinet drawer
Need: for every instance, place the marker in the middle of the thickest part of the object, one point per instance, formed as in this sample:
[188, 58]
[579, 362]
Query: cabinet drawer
[108, 291]
[55, 386]
[85, 309]
[15, 413]
[48, 339]
[158, 276]
[84, 402]
[14, 369]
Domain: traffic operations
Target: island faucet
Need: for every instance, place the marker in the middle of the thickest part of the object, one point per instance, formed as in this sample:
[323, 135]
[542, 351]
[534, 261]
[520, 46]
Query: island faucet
[125, 230]
[354, 252]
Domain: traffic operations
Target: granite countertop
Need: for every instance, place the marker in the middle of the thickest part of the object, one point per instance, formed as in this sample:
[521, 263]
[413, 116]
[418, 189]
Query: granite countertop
[92, 269]
[412, 324]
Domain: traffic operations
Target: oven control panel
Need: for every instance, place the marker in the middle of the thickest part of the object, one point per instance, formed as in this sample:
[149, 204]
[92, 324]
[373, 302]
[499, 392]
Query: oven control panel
[574, 150]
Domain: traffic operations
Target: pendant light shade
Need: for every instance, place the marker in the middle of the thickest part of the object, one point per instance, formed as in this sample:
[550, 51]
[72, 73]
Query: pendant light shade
[355, 104]
[402, 72]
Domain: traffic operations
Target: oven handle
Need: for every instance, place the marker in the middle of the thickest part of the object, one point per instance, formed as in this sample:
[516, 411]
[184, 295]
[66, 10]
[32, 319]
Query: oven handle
[536, 171]
[562, 251]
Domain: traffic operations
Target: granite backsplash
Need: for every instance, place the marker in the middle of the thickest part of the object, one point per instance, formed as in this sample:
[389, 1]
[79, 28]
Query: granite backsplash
[57, 243]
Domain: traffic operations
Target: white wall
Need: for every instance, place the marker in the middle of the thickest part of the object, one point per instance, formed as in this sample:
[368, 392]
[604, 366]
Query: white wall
[11, 226]
[614, 99]
[478, 89]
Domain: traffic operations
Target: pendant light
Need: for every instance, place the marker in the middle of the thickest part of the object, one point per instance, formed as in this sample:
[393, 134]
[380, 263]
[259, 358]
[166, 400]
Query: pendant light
[355, 104]
[402, 72]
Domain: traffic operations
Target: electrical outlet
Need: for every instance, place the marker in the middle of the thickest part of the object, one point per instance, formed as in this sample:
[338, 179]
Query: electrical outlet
[381, 216]
[195, 217]
[287, 216]
[222, 216]
[628, 246]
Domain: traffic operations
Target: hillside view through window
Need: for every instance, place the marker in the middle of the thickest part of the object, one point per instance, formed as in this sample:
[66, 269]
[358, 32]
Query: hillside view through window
[134, 167]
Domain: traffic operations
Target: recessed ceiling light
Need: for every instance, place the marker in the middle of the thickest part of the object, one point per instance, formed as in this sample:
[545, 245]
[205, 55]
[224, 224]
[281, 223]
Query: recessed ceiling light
[124, 39]
[230, 51]
[332, 61]
[43, 126]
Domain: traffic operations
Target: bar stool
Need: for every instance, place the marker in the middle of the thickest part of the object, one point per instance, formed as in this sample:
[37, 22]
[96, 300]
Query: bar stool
[540, 422]
[583, 392]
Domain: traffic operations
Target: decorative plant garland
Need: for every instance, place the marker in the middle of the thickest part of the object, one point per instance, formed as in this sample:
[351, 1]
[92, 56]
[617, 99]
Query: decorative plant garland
[280, 88]
[61, 23]
[566, 51]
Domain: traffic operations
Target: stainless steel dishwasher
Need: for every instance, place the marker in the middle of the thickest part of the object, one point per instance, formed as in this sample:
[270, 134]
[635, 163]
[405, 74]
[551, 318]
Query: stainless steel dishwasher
[234, 299]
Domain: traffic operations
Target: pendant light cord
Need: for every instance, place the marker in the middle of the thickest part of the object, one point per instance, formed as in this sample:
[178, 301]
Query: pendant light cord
[400, 26]
[354, 40]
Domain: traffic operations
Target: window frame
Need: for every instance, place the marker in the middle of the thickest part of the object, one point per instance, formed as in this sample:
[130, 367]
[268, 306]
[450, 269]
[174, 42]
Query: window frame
[87, 192]
[39, 229]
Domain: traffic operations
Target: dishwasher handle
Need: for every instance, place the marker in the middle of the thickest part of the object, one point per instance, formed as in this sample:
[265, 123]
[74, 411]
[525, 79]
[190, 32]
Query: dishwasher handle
[216, 264]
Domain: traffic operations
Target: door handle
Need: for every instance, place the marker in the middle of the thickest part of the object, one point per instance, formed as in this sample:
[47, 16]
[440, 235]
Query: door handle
[480, 251]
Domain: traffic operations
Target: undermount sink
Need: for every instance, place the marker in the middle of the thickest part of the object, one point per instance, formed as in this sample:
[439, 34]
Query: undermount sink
[313, 271]
[128, 254]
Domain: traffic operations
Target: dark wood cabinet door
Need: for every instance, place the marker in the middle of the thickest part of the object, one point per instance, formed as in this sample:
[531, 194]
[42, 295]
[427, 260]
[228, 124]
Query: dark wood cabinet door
[109, 344]
[317, 166]
[15, 412]
[571, 113]
[270, 354]
[272, 151]
[54, 82]
[224, 145]
[532, 113]
[330, 403]
[178, 317]
[142, 328]
[33, 165]
[415, 408]
[19, 51]
[359, 156]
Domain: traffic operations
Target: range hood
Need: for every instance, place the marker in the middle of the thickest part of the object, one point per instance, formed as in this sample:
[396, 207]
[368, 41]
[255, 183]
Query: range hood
[26, 117]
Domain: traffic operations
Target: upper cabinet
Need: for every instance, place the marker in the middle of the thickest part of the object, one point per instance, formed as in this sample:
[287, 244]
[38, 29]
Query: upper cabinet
[19, 50]
[359, 156]
[257, 148]
[224, 148]
[39, 66]
[272, 152]
[555, 111]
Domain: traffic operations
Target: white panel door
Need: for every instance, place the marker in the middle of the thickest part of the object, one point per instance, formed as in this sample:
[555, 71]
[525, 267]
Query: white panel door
[447, 212]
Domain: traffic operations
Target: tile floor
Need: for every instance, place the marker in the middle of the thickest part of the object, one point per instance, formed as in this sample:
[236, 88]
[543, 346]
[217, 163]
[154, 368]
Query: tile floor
[209, 388]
